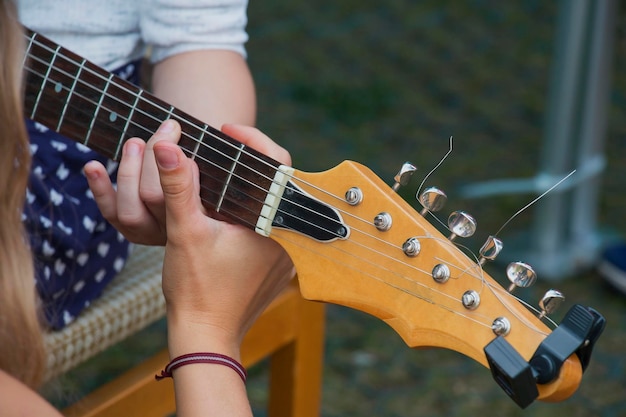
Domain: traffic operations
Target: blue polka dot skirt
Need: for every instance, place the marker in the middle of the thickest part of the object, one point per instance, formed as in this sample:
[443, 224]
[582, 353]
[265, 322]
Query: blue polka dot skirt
[76, 251]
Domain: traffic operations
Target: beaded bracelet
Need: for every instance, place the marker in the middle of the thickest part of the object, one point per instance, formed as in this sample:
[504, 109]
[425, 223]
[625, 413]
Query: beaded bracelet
[214, 358]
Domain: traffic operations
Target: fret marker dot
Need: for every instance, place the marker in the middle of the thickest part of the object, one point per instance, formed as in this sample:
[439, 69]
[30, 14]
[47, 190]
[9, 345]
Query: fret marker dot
[58, 87]
[112, 116]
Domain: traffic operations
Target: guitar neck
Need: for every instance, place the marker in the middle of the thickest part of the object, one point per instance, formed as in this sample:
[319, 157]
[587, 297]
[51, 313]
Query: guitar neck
[87, 104]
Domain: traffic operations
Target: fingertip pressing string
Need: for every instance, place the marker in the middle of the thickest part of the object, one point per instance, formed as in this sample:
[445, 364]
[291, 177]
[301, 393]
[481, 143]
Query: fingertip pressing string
[214, 358]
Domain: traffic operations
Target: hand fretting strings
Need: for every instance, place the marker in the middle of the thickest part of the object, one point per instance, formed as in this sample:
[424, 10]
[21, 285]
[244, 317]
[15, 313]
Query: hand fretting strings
[192, 153]
[205, 131]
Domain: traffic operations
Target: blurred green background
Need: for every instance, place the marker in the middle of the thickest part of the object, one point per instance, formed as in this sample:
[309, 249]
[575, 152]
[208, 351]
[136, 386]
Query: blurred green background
[386, 82]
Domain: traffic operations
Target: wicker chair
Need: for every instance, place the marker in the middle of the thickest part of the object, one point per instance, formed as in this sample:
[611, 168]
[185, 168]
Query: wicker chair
[290, 332]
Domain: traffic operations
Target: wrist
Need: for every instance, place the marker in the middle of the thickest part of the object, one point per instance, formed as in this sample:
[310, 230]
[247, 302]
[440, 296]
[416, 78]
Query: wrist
[188, 335]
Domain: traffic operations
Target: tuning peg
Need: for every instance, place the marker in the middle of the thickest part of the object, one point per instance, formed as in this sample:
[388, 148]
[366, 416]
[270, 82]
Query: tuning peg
[550, 302]
[404, 175]
[490, 250]
[521, 275]
[461, 224]
[432, 199]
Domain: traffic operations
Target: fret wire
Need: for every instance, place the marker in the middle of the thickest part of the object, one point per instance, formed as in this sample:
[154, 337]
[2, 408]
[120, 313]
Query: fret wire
[69, 95]
[196, 148]
[128, 121]
[103, 93]
[169, 113]
[228, 178]
[98, 106]
[43, 82]
[31, 39]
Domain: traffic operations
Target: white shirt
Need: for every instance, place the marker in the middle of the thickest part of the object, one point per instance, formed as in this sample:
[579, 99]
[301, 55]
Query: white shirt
[111, 33]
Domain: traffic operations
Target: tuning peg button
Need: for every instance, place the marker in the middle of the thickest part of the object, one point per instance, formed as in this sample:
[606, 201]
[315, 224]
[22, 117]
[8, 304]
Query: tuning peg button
[432, 199]
[461, 224]
[470, 299]
[501, 326]
[404, 175]
[383, 221]
[550, 302]
[354, 196]
[441, 273]
[411, 247]
[490, 250]
[521, 275]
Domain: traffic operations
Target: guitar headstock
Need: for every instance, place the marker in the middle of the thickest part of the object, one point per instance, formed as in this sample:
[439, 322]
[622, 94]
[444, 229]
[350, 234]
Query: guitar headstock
[391, 262]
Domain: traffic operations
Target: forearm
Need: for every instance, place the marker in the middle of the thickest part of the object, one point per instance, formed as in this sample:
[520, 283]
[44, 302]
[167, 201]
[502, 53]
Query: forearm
[214, 86]
[17, 400]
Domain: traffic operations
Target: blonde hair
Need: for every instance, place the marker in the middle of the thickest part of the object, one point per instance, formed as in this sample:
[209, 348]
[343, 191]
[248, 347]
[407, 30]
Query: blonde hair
[21, 341]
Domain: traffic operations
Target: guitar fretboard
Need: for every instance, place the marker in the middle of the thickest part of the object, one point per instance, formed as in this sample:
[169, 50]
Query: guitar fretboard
[91, 106]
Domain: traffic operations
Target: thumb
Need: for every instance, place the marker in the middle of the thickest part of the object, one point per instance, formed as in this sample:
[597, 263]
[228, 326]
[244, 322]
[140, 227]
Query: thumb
[179, 183]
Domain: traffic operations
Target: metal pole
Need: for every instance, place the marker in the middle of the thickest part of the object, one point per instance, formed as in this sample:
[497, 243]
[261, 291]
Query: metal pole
[551, 215]
[563, 238]
[593, 131]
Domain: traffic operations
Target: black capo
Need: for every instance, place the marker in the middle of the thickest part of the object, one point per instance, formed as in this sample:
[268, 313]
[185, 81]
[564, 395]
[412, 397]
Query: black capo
[577, 333]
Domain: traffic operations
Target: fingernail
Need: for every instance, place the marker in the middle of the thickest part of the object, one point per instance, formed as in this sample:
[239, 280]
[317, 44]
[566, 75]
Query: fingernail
[91, 174]
[167, 126]
[166, 158]
[131, 149]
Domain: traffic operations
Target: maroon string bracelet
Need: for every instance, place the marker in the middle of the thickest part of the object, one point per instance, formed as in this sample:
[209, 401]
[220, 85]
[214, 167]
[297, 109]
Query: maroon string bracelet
[191, 358]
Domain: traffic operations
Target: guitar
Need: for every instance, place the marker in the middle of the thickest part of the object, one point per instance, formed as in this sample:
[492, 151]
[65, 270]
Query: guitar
[353, 240]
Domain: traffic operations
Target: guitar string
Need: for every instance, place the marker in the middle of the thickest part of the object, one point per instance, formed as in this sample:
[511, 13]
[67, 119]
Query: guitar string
[475, 315]
[305, 207]
[499, 291]
[412, 293]
[419, 189]
[525, 207]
